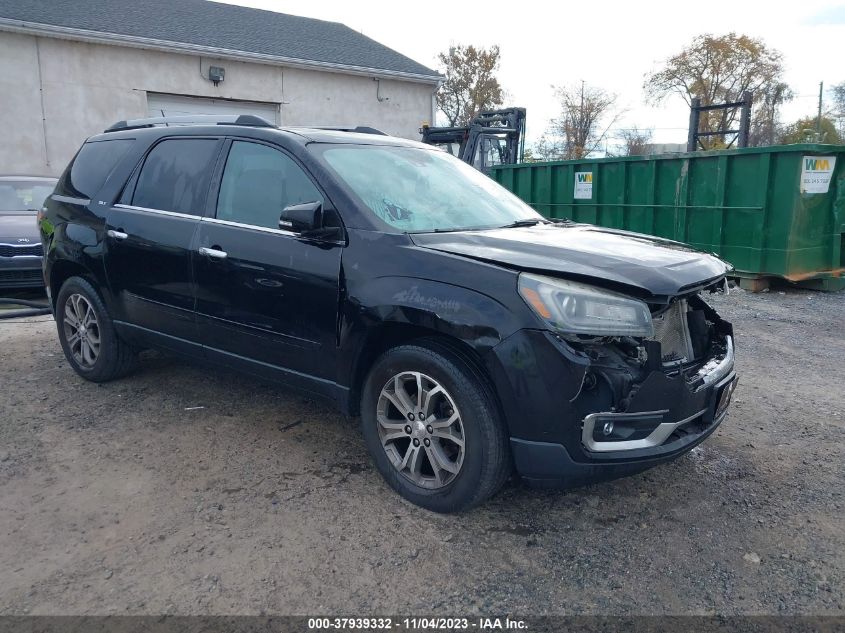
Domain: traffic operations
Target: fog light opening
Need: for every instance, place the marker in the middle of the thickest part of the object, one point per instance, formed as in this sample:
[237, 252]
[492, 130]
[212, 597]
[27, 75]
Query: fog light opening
[608, 428]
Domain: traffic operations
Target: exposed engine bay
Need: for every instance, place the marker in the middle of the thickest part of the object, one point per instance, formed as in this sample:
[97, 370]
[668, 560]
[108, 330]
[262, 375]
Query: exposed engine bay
[691, 343]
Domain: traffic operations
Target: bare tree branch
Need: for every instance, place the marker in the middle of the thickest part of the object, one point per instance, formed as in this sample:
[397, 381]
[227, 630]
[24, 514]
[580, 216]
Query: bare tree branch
[582, 126]
[634, 141]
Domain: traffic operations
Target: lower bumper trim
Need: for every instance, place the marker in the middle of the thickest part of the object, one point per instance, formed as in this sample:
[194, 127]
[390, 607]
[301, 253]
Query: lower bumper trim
[659, 435]
[549, 464]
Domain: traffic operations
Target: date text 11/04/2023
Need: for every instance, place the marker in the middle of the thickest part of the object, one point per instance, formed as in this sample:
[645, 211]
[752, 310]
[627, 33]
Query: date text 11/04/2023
[416, 623]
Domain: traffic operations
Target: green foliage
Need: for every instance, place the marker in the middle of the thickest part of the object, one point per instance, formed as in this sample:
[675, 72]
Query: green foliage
[804, 131]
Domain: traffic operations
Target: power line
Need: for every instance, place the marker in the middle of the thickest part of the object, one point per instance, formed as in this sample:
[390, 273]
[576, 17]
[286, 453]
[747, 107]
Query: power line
[643, 128]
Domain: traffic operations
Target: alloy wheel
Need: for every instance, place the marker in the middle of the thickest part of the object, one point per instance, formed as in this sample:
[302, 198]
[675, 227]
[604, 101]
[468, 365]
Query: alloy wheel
[420, 429]
[82, 331]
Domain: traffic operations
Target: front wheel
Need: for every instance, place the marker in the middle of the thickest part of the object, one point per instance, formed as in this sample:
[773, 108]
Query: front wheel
[433, 428]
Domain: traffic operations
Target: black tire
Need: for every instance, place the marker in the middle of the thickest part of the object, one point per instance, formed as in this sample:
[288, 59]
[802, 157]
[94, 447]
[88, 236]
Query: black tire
[486, 461]
[115, 358]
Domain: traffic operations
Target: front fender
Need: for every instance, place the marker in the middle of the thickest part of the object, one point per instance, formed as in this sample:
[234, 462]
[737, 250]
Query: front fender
[468, 315]
[372, 309]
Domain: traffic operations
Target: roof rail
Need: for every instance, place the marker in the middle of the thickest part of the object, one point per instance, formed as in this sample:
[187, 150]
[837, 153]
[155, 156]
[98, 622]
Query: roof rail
[192, 119]
[360, 129]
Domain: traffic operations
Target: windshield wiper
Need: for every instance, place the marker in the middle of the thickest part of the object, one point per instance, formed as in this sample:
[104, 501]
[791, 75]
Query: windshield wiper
[452, 229]
[460, 229]
[519, 223]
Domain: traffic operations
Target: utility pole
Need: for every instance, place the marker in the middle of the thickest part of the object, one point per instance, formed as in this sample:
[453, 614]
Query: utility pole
[694, 120]
[819, 117]
[744, 119]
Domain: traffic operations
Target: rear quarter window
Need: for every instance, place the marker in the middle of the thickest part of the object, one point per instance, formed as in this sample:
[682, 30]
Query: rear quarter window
[91, 167]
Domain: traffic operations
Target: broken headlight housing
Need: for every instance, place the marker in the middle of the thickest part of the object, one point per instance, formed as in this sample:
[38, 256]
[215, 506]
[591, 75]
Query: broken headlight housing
[574, 308]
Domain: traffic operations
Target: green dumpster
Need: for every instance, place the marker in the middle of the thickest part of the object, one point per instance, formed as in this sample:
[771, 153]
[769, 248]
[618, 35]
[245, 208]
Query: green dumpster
[770, 211]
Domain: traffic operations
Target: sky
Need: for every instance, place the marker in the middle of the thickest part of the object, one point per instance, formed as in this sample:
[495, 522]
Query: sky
[610, 44]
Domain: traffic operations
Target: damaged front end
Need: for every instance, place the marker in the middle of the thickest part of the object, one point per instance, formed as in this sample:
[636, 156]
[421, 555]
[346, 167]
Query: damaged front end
[641, 394]
[651, 381]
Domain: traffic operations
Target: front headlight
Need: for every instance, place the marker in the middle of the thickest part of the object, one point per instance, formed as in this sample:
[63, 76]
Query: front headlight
[574, 308]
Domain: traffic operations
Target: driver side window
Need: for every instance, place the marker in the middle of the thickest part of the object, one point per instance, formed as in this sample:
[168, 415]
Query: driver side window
[258, 182]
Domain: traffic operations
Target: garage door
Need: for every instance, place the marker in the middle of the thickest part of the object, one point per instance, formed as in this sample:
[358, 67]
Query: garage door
[178, 105]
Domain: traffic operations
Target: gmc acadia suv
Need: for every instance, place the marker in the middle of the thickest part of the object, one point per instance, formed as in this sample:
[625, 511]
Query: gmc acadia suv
[471, 335]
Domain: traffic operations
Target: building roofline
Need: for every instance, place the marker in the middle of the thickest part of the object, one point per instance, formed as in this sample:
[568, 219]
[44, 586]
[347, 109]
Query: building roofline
[101, 37]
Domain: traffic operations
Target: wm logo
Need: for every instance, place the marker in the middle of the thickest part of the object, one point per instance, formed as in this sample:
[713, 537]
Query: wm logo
[816, 164]
[588, 176]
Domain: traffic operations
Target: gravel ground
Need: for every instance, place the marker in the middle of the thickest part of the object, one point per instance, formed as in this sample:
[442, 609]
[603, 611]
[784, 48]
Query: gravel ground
[184, 490]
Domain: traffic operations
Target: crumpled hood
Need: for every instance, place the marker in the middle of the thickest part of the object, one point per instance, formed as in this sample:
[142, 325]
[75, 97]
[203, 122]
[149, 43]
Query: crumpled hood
[15, 226]
[656, 266]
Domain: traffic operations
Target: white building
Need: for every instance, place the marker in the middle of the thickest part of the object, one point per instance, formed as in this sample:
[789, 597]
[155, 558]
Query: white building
[664, 148]
[71, 68]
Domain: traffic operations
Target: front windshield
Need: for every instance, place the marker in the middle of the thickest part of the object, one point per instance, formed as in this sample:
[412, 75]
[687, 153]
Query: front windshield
[23, 195]
[418, 190]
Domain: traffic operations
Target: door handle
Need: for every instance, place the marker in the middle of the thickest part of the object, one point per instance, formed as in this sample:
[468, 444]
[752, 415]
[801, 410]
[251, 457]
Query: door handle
[118, 235]
[214, 253]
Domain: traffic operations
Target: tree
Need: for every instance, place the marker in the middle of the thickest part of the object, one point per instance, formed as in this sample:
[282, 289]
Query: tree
[530, 156]
[548, 147]
[718, 70]
[765, 124]
[839, 96]
[587, 114]
[635, 141]
[839, 106]
[804, 131]
[471, 84]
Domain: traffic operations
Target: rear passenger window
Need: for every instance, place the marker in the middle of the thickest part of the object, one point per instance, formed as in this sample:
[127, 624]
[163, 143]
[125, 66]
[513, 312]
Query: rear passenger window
[175, 176]
[91, 166]
[258, 182]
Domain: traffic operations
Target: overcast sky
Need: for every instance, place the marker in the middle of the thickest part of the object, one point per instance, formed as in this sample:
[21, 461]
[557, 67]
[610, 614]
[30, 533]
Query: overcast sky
[610, 44]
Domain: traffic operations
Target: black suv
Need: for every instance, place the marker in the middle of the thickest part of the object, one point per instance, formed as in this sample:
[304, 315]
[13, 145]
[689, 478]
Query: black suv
[470, 334]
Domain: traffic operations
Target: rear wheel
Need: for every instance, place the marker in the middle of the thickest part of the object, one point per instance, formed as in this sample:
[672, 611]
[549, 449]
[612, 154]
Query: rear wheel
[87, 334]
[433, 428]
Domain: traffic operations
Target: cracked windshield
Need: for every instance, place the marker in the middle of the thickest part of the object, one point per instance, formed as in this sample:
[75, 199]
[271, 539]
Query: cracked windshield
[417, 190]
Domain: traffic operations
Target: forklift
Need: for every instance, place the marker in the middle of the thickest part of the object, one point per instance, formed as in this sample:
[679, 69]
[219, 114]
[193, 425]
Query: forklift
[493, 137]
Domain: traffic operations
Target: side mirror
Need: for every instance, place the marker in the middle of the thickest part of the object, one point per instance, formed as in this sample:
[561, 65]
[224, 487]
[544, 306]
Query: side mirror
[302, 218]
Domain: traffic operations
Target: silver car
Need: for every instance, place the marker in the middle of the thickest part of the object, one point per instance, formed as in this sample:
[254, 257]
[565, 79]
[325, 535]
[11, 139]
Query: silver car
[21, 197]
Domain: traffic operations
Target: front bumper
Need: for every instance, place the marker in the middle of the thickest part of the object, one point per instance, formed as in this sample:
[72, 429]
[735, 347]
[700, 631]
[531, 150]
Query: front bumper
[559, 439]
[547, 464]
[21, 272]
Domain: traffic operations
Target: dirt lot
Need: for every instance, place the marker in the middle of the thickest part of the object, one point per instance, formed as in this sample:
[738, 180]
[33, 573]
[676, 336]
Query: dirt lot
[191, 491]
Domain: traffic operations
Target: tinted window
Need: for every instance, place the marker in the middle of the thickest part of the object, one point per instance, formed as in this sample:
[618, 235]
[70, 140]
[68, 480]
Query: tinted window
[258, 182]
[92, 165]
[175, 175]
